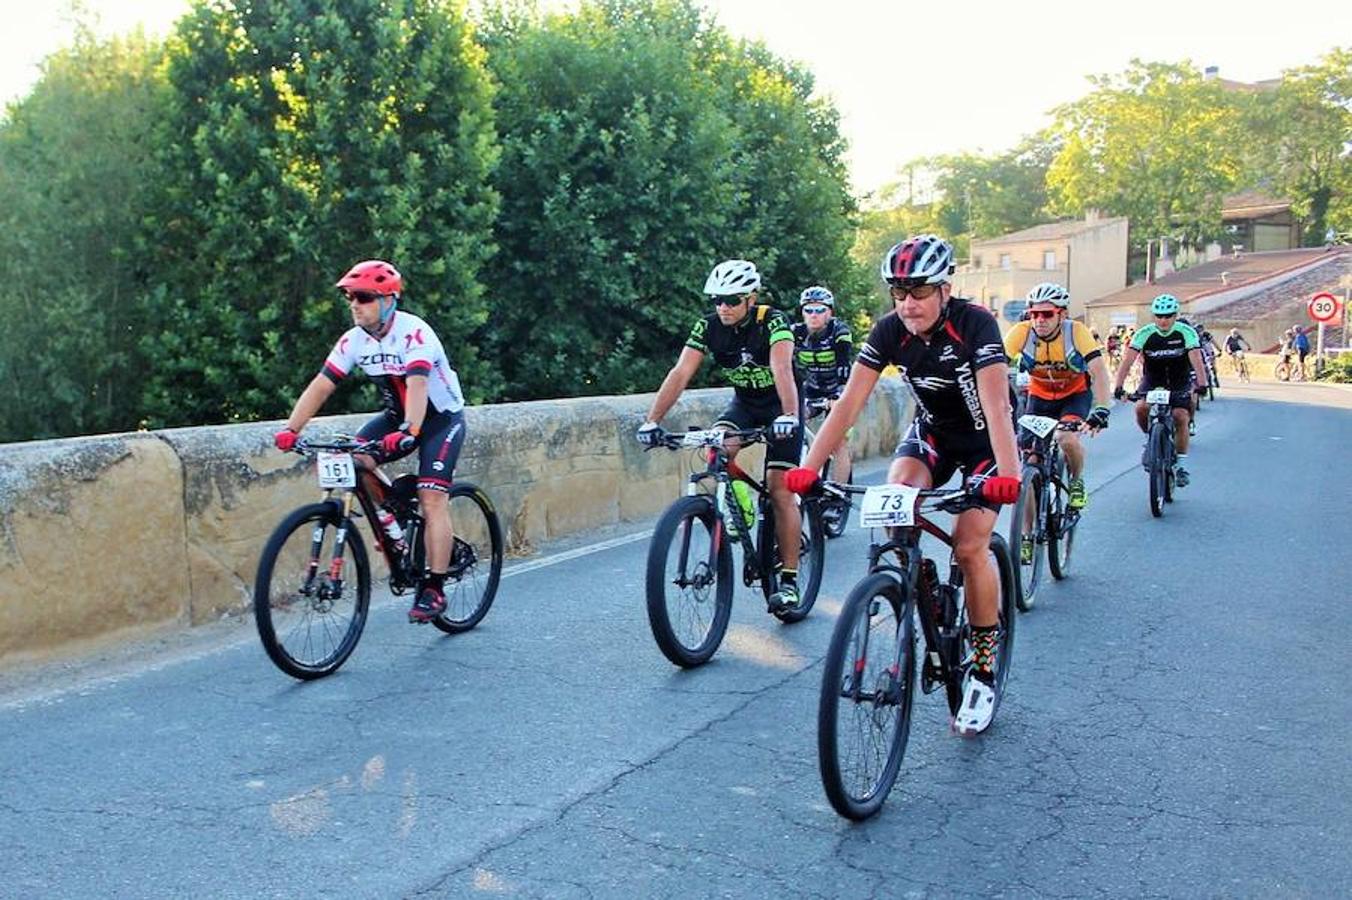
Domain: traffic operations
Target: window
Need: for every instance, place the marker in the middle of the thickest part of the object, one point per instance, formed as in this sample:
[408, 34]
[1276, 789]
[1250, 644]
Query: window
[1049, 260]
[1004, 260]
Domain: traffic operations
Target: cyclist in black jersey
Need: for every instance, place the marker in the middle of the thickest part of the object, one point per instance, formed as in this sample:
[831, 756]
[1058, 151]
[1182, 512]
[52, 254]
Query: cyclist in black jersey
[753, 347]
[823, 346]
[1171, 358]
[950, 352]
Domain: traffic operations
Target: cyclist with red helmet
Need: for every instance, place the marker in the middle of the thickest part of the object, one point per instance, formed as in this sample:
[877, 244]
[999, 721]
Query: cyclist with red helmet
[422, 407]
[950, 352]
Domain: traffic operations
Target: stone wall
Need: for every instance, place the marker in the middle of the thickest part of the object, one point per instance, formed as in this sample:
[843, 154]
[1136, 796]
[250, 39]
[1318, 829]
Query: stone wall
[106, 537]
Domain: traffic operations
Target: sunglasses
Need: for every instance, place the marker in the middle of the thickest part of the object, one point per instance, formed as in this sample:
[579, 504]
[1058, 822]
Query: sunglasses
[1041, 313]
[1166, 315]
[919, 291]
[730, 301]
[814, 310]
[361, 296]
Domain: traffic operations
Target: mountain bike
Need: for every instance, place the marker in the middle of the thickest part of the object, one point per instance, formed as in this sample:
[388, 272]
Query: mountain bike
[1161, 453]
[689, 582]
[835, 510]
[1286, 369]
[1213, 379]
[1042, 517]
[1240, 366]
[313, 587]
[868, 680]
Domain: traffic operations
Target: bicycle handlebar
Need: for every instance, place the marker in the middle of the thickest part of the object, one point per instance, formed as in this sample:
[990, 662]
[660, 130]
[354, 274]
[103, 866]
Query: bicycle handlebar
[338, 444]
[942, 499]
[695, 439]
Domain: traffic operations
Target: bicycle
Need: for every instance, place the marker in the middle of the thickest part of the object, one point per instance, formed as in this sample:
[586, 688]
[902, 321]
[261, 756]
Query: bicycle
[868, 681]
[313, 587]
[1161, 451]
[1213, 379]
[1240, 366]
[700, 569]
[1286, 370]
[835, 510]
[1045, 513]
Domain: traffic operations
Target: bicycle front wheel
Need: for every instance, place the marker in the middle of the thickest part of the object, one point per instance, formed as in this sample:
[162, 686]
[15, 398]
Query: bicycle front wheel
[311, 596]
[868, 688]
[689, 582]
[1159, 464]
[1061, 524]
[1026, 538]
[476, 559]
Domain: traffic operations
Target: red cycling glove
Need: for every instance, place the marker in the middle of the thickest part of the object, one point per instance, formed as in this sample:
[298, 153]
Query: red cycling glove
[1000, 489]
[800, 480]
[395, 442]
[285, 440]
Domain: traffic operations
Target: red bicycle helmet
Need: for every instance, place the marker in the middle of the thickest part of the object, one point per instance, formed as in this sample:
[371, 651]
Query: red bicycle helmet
[374, 275]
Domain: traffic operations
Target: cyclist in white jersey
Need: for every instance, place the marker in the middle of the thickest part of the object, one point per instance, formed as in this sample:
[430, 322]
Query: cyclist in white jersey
[422, 407]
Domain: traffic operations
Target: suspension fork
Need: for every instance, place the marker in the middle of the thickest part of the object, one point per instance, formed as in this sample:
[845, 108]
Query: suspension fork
[339, 543]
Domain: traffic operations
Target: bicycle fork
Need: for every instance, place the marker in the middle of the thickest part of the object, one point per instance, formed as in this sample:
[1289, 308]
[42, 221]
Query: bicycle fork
[333, 586]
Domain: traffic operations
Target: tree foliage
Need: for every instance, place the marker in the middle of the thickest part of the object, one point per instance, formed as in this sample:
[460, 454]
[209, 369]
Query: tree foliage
[1157, 143]
[641, 145]
[302, 137]
[75, 163]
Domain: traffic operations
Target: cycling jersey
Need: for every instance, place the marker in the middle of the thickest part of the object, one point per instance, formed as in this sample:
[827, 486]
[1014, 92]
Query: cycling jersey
[742, 351]
[1059, 365]
[941, 371]
[410, 347]
[1164, 355]
[822, 359]
[1235, 343]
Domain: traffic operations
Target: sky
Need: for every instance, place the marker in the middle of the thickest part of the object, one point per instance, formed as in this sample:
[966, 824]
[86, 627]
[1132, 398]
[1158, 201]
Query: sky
[910, 79]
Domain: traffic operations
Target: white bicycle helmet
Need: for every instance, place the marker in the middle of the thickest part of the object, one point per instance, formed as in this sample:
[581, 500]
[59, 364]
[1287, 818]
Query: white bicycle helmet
[923, 259]
[817, 294]
[732, 277]
[1049, 292]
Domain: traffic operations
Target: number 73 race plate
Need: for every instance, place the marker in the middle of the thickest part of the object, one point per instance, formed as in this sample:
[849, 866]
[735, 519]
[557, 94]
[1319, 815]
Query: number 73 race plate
[888, 505]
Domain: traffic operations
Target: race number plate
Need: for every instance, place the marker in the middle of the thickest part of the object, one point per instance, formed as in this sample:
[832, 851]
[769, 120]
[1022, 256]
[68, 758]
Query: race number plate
[336, 470]
[1039, 425]
[711, 438]
[1157, 395]
[1022, 380]
[888, 504]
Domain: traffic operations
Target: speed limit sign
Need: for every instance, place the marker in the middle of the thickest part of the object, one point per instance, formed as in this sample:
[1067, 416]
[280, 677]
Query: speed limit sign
[1323, 307]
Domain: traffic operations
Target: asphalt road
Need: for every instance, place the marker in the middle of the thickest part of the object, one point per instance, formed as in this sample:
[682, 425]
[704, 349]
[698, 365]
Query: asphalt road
[1177, 725]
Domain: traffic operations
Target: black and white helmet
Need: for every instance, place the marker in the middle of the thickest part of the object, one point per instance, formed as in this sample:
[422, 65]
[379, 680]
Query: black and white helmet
[732, 277]
[1049, 292]
[923, 259]
[817, 294]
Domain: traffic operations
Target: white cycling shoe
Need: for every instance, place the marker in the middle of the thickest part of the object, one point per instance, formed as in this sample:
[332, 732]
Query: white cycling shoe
[977, 710]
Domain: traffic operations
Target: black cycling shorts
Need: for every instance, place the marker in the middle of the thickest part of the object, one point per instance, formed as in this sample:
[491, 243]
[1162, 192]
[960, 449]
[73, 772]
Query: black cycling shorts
[745, 413]
[1074, 406]
[943, 457]
[438, 447]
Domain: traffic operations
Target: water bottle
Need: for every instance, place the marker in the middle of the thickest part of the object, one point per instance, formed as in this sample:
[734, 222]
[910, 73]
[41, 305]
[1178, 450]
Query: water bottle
[393, 530]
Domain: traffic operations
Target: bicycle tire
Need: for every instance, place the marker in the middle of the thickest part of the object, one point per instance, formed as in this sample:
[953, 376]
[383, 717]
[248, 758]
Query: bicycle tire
[468, 598]
[1158, 462]
[1060, 539]
[893, 686]
[316, 518]
[1029, 575]
[682, 520]
[1281, 371]
[811, 563]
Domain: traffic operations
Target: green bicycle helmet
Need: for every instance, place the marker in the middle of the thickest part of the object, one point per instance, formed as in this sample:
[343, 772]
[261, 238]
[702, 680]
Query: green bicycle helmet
[1164, 305]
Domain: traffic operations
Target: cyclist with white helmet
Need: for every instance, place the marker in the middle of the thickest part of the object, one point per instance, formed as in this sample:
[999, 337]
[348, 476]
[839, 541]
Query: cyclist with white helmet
[1171, 358]
[823, 347]
[1065, 363]
[753, 347]
[422, 408]
[949, 351]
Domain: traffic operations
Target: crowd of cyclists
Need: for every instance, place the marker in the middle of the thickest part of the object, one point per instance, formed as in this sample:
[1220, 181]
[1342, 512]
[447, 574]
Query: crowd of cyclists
[949, 350]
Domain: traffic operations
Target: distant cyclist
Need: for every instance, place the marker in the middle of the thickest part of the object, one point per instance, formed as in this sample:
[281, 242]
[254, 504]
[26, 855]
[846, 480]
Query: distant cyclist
[1300, 342]
[422, 407]
[823, 351]
[1171, 358]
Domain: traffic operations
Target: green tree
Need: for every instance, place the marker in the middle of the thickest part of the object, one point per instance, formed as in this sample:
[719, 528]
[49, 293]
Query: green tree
[641, 145]
[1301, 135]
[986, 196]
[302, 137]
[1156, 143]
[75, 165]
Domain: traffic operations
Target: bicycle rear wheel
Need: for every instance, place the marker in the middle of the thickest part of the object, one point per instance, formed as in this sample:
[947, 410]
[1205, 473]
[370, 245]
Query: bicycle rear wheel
[476, 560]
[868, 687]
[310, 596]
[689, 582]
[1026, 523]
[1005, 605]
[1061, 524]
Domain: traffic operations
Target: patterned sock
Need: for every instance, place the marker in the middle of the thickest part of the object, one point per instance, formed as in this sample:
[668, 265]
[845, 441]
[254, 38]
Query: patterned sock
[985, 640]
